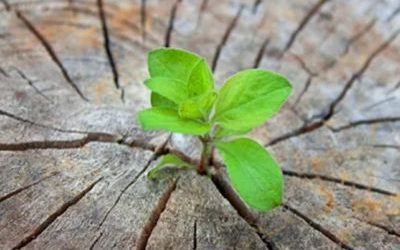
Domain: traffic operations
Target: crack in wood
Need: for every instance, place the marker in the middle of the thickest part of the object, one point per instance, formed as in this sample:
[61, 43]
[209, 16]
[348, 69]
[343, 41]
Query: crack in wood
[388, 230]
[359, 73]
[157, 152]
[311, 75]
[194, 235]
[203, 5]
[62, 144]
[256, 4]
[393, 15]
[31, 84]
[219, 165]
[95, 241]
[267, 241]
[396, 87]
[231, 196]
[306, 128]
[171, 23]
[126, 23]
[143, 19]
[107, 44]
[122, 95]
[17, 118]
[50, 51]
[314, 10]
[203, 8]
[358, 35]
[228, 193]
[54, 216]
[4, 73]
[297, 113]
[4, 36]
[318, 227]
[379, 103]
[6, 5]
[155, 215]
[19, 190]
[136, 143]
[260, 53]
[351, 41]
[89, 137]
[385, 228]
[366, 122]
[304, 65]
[386, 146]
[338, 181]
[321, 119]
[109, 15]
[307, 85]
[225, 37]
[122, 192]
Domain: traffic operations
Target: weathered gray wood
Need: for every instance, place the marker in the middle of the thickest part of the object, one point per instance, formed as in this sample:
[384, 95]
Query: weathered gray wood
[197, 205]
[73, 159]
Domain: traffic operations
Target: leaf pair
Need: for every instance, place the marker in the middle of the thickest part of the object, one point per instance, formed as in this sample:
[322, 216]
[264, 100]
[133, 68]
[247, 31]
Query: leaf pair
[183, 95]
[184, 100]
[182, 92]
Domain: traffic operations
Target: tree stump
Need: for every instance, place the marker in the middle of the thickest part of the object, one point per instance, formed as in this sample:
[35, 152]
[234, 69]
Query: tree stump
[74, 160]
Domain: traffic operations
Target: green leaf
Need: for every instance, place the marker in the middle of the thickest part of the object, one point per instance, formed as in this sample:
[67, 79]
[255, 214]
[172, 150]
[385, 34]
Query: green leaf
[190, 109]
[198, 106]
[254, 173]
[158, 100]
[222, 132]
[249, 98]
[172, 89]
[168, 119]
[172, 63]
[200, 79]
[169, 160]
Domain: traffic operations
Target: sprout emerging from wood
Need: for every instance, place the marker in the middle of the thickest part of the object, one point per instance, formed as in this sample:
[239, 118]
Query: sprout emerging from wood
[184, 100]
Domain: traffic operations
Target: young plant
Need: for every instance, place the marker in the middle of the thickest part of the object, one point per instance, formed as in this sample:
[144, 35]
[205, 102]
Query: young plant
[184, 100]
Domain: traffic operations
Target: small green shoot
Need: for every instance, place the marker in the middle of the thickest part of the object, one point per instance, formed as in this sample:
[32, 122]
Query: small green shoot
[184, 100]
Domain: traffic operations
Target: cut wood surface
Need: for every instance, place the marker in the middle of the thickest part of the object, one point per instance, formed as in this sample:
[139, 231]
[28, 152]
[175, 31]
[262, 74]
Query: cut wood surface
[73, 159]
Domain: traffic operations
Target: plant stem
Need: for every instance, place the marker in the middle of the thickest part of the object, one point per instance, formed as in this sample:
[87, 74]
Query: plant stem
[205, 155]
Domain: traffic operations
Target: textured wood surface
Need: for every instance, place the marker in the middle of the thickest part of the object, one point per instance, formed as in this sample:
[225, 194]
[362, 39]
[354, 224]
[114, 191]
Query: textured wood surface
[73, 159]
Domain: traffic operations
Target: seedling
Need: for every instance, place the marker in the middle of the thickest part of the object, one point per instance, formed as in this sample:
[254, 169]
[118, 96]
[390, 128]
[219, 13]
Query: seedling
[184, 100]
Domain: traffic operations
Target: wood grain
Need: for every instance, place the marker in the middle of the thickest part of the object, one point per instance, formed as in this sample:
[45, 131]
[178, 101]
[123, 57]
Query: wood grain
[73, 159]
